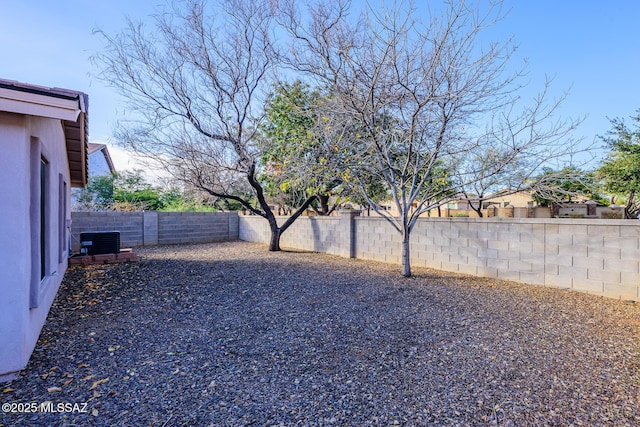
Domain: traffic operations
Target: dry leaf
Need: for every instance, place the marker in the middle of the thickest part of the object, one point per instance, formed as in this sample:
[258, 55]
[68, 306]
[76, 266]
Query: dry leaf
[7, 390]
[176, 371]
[82, 365]
[67, 382]
[97, 383]
[54, 389]
[88, 377]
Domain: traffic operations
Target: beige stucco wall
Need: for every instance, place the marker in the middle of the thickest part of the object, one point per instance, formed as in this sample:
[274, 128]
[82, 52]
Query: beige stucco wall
[22, 316]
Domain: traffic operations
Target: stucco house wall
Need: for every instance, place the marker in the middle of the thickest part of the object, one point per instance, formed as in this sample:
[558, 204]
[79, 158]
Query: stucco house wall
[34, 225]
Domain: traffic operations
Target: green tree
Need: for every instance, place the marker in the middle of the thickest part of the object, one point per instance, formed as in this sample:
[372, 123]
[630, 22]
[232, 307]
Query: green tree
[620, 171]
[565, 185]
[299, 161]
[97, 195]
[307, 153]
[131, 192]
[121, 191]
[175, 199]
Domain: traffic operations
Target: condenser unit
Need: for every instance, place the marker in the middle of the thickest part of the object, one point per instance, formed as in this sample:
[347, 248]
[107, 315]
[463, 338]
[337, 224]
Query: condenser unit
[100, 242]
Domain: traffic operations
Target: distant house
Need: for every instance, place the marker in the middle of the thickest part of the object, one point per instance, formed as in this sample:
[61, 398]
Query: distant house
[43, 134]
[461, 206]
[100, 162]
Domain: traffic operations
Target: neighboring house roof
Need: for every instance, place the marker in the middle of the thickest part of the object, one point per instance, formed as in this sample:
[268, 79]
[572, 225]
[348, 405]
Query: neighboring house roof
[521, 196]
[94, 148]
[71, 107]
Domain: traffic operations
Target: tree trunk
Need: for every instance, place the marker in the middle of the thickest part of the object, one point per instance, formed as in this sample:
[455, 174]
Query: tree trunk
[276, 231]
[323, 199]
[628, 209]
[477, 210]
[406, 256]
[274, 242]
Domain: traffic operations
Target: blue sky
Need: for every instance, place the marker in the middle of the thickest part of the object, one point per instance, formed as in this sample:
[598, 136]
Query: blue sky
[589, 47]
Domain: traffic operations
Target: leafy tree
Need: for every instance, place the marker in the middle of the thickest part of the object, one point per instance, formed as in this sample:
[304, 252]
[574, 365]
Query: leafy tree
[175, 199]
[306, 154]
[131, 192]
[97, 195]
[288, 146]
[299, 157]
[121, 191]
[620, 172]
[565, 185]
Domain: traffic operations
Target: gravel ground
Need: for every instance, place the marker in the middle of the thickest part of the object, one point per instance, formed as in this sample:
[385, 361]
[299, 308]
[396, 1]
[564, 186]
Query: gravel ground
[229, 334]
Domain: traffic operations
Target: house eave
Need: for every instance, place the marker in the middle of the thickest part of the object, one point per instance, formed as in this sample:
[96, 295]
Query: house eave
[70, 107]
[39, 105]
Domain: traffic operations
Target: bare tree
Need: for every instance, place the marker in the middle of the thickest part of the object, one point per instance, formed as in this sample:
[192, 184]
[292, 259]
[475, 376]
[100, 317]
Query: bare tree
[518, 149]
[428, 95]
[195, 85]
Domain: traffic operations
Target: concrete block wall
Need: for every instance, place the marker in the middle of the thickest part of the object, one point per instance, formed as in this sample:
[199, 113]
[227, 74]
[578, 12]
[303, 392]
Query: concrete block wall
[129, 224]
[600, 257]
[152, 228]
[326, 234]
[596, 256]
[233, 225]
[507, 249]
[376, 239]
[193, 227]
[254, 229]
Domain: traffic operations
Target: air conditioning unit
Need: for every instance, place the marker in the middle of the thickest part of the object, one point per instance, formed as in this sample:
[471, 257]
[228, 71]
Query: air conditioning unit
[100, 242]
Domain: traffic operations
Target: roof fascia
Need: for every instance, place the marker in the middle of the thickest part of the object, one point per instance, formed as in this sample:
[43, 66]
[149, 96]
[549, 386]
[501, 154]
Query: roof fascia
[33, 104]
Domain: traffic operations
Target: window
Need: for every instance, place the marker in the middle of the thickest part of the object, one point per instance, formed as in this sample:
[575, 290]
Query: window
[39, 221]
[43, 218]
[62, 219]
